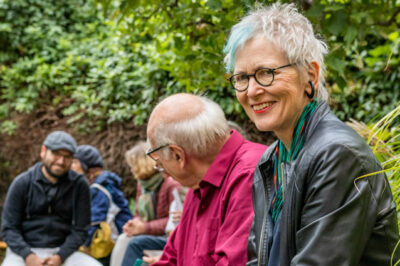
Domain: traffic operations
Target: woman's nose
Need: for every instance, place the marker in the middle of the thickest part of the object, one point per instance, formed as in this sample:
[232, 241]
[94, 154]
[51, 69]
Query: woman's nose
[254, 88]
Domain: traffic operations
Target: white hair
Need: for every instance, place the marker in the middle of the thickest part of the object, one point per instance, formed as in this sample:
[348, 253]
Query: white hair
[289, 30]
[197, 135]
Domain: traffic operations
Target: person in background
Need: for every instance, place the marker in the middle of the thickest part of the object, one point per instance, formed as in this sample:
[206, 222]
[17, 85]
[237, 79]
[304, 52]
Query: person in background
[45, 217]
[88, 161]
[319, 195]
[137, 246]
[192, 142]
[153, 198]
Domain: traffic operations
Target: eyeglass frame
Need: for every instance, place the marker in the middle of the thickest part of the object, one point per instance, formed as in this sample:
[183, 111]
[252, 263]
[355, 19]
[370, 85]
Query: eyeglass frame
[57, 155]
[150, 151]
[254, 75]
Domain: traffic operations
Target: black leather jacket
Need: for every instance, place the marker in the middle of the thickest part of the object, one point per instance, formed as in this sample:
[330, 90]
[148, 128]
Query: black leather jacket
[32, 218]
[331, 214]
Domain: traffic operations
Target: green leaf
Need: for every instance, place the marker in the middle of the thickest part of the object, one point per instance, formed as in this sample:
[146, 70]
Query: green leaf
[214, 4]
[316, 10]
[337, 23]
[351, 34]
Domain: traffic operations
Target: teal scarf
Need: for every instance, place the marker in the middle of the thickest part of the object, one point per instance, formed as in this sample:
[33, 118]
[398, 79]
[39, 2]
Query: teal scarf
[146, 208]
[283, 155]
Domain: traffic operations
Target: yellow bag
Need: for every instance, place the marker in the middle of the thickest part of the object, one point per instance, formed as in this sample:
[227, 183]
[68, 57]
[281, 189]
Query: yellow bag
[102, 244]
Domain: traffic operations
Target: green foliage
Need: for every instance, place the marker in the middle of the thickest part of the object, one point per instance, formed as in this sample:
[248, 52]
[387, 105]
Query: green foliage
[363, 64]
[93, 61]
[385, 141]
[114, 59]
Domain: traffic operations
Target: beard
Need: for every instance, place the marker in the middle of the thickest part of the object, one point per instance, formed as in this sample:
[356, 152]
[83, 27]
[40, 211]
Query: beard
[54, 175]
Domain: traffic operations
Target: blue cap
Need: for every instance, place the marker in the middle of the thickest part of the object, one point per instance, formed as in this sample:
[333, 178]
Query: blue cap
[89, 157]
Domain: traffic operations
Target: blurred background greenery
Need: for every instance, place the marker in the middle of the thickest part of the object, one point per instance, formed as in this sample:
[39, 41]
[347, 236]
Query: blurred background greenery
[113, 60]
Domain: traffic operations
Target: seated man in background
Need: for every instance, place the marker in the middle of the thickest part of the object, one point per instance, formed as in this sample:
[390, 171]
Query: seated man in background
[88, 161]
[191, 141]
[45, 216]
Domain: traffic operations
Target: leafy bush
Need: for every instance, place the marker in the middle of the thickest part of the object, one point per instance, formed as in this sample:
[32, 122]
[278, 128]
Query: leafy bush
[114, 59]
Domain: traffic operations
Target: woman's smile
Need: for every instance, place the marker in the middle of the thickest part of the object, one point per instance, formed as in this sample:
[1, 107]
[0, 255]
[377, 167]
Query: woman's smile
[262, 107]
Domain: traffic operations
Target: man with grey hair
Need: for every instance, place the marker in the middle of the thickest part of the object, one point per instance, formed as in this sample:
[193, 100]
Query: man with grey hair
[45, 216]
[191, 141]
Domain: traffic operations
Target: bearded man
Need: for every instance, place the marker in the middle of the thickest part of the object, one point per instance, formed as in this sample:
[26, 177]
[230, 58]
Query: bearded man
[45, 217]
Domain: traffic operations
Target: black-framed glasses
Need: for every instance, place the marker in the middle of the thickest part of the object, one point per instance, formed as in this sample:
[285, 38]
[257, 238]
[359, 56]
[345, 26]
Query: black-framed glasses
[150, 152]
[263, 76]
[67, 157]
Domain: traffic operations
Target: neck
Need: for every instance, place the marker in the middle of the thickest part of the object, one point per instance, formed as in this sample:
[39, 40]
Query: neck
[200, 166]
[286, 134]
[286, 139]
[93, 173]
[48, 176]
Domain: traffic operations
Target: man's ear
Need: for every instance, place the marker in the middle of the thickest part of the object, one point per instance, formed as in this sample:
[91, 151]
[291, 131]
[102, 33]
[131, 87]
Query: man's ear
[43, 152]
[178, 154]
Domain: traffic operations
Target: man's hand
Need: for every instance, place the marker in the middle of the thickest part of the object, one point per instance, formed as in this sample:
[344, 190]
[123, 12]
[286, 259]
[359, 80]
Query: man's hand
[33, 260]
[134, 227]
[54, 260]
[176, 216]
[151, 260]
[85, 250]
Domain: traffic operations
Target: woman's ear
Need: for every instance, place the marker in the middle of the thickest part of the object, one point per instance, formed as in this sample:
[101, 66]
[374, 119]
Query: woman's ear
[313, 75]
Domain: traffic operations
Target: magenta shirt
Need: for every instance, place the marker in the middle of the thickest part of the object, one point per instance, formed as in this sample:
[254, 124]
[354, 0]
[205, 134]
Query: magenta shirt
[216, 218]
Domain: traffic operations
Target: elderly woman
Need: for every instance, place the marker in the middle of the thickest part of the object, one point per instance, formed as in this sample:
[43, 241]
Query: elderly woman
[315, 199]
[153, 198]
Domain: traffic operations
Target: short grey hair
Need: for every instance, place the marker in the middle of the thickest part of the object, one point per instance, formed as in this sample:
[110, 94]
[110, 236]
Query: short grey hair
[289, 30]
[197, 135]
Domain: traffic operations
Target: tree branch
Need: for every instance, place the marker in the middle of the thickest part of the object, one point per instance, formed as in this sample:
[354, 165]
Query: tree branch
[391, 20]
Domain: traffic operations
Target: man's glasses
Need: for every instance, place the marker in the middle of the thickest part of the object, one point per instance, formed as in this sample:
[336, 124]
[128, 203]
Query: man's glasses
[263, 76]
[151, 152]
[58, 155]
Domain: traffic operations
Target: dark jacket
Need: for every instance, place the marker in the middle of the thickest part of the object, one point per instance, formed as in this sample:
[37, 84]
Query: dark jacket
[101, 203]
[331, 214]
[39, 214]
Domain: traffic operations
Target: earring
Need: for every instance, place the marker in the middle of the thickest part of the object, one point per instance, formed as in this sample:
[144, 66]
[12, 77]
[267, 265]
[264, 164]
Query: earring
[311, 95]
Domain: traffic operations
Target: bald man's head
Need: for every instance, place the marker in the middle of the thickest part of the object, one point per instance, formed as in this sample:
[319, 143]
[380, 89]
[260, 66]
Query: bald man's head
[192, 122]
[175, 109]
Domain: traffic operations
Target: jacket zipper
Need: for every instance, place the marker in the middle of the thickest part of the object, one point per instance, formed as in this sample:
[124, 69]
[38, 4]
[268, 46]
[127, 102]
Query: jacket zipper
[261, 241]
[260, 247]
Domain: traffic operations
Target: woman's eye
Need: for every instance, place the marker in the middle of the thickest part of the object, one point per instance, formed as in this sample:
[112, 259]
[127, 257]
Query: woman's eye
[264, 72]
[241, 77]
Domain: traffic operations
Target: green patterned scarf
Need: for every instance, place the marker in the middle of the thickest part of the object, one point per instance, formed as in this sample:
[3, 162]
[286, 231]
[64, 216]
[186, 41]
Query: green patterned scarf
[283, 155]
[145, 204]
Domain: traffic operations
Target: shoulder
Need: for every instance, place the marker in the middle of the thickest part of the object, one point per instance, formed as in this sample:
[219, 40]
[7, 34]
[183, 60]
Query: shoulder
[21, 182]
[26, 177]
[169, 183]
[336, 150]
[79, 181]
[335, 137]
[248, 155]
[108, 178]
